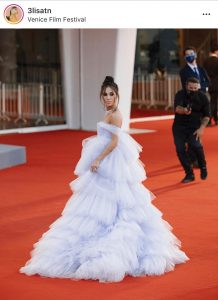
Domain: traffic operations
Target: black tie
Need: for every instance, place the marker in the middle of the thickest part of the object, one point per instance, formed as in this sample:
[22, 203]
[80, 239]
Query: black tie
[196, 72]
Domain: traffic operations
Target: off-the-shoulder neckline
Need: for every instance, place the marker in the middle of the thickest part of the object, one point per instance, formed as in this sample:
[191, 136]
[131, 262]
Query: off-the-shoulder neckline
[109, 124]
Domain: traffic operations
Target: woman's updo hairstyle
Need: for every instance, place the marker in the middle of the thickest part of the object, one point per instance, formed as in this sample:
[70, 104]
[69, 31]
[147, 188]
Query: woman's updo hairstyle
[109, 82]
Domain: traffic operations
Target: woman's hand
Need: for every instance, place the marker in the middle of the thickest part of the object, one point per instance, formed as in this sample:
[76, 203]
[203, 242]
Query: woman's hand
[95, 165]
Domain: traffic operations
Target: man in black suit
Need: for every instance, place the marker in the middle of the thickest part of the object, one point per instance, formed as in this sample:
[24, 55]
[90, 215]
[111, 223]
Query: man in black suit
[191, 69]
[211, 66]
[191, 117]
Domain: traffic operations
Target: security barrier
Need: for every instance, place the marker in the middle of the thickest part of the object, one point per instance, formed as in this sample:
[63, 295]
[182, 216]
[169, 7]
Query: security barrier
[151, 91]
[31, 101]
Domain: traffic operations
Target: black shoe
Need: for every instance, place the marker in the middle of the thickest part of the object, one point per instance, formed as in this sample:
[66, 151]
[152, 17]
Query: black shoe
[188, 178]
[203, 173]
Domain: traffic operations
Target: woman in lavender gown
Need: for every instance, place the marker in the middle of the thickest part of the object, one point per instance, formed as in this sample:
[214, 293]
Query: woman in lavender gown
[109, 228]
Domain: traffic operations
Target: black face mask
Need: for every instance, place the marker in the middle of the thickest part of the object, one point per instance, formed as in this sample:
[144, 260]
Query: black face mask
[191, 94]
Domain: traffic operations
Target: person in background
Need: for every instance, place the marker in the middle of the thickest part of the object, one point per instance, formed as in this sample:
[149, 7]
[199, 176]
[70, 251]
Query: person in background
[192, 69]
[191, 117]
[211, 66]
[160, 72]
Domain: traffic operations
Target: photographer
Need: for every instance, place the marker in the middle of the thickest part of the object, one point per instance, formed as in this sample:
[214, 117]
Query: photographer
[191, 117]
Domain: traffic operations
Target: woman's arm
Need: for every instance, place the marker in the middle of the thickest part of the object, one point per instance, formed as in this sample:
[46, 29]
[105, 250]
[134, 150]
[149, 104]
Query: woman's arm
[110, 147]
[114, 120]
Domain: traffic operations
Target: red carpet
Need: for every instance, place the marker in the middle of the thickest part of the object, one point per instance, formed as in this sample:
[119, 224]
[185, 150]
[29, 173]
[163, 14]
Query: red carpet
[148, 112]
[33, 195]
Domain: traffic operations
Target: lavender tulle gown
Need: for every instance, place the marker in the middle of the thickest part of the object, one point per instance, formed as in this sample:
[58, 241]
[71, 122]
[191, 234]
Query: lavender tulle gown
[109, 227]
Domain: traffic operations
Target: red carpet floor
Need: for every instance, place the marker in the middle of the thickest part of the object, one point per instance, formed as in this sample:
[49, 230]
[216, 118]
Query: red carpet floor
[149, 112]
[33, 196]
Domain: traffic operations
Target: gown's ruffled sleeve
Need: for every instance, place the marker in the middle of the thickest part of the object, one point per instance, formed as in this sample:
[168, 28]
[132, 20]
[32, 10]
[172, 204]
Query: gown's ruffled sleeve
[111, 128]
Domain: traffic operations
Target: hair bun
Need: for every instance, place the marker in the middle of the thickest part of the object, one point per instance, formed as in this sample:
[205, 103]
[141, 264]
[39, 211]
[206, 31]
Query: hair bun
[108, 79]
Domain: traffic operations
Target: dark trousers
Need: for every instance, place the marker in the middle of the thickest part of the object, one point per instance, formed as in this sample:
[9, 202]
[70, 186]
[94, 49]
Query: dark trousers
[213, 105]
[182, 137]
[191, 155]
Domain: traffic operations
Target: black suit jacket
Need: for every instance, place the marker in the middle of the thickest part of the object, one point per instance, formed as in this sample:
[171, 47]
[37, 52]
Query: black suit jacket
[187, 72]
[211, 66]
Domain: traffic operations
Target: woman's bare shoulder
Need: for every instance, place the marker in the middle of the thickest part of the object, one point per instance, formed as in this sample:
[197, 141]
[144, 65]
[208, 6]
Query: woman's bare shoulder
[116, 118]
